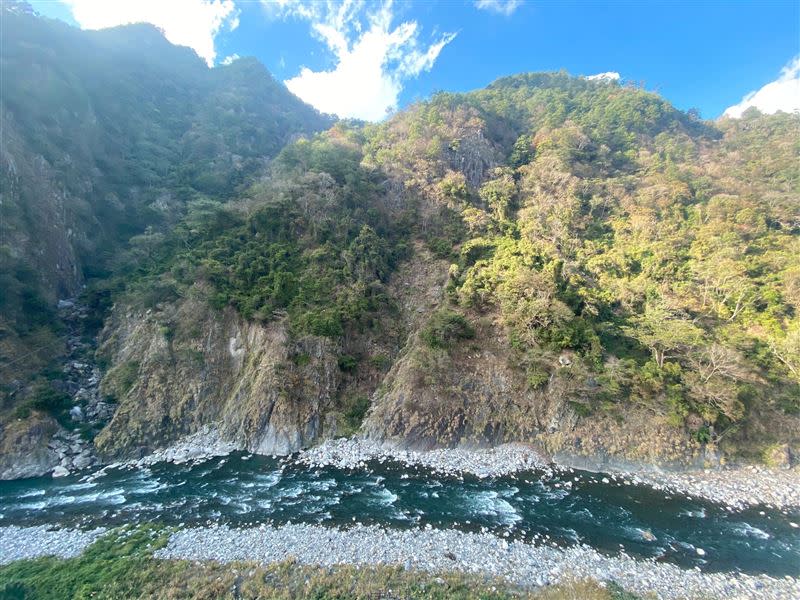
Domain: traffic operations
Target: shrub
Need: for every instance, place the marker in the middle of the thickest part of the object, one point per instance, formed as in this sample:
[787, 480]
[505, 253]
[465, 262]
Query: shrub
[48, 399]
[537, 377]
[301, 359]
[44, 397]
[445, 328]
[347, 363]
[703, 435]
[439, 247]
[121, 378]
[581, 409]
[322, 322]
[380, 361]
[356, 410]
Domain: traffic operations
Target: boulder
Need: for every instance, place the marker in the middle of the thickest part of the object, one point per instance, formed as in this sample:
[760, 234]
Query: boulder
[82, 461]
[76, 413]
[60, 471]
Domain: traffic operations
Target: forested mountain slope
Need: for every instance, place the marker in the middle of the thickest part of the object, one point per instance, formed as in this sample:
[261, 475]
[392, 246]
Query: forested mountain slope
[108, 135]
[570, 263]
[550, 259]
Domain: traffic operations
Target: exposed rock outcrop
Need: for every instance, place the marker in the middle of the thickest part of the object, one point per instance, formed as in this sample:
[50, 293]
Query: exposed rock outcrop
[37, 444]
[24, 450]
[474, 396]
[187, 366]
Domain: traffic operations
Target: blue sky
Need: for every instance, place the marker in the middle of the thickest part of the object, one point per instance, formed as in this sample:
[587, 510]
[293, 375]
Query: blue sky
[362, 58]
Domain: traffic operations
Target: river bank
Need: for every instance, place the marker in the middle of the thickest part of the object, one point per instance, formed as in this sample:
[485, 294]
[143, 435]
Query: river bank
[427, 549]
[736, 487]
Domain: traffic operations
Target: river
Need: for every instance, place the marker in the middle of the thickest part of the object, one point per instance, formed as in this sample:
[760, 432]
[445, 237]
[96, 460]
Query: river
[562, 508]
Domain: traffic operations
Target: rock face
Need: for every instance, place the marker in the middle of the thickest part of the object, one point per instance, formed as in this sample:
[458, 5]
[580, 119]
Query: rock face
[474, 396]
[465, 397]
[183, 369]
[186, 366]
[24, 450]
[474, 156]
[37, 445]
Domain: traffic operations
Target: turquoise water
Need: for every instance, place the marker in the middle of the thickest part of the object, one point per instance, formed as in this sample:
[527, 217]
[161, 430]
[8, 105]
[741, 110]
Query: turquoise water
[563, 509]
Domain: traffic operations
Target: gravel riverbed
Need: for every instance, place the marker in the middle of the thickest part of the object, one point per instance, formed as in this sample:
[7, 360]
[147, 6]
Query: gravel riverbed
[353, 453]
[18, 543]
[736, 487]
[428, 549]
[480, 553]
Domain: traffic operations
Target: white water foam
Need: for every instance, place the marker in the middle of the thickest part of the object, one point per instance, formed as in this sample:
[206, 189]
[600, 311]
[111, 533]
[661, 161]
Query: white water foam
[747, 530]
[491, 504]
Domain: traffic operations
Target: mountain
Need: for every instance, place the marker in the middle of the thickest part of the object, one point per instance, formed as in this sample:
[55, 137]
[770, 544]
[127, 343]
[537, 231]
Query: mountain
[554, 260]
[107, 135]
[569, 263]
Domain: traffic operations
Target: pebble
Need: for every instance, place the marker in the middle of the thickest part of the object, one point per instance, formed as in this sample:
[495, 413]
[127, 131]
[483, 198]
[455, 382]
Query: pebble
[735, 487]
[18, 543]
[352, 453]
[439, 550]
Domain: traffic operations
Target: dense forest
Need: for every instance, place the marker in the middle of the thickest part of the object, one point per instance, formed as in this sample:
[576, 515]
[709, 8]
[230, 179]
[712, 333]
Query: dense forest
[630, 256]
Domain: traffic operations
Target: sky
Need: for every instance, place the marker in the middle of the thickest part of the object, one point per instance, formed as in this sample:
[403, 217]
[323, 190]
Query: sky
[366, 59]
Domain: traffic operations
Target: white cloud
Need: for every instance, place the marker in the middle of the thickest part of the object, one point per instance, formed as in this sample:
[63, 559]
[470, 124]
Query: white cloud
[193, 23]
[608, 76]
[229, 59]
[503, 7]
[372, 58]
[781, 94]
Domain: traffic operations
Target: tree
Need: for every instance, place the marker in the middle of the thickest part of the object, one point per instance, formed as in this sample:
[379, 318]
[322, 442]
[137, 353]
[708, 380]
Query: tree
[522, 153]
[366, 258]
[665, 332]
[453, 189]
[143, 247]
[716, 371]
[445, 328]
[786, 348]
[551, 212]
[530, 306]
[498, 193]
[476, 220]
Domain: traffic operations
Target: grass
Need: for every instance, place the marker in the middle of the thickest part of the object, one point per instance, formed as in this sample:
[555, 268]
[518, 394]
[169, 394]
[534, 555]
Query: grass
[121, 566]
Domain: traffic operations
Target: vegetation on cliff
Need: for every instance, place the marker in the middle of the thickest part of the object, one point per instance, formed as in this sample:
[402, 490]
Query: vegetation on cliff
[312, 240]
[107, 136]
[644, 257]
[614, 253]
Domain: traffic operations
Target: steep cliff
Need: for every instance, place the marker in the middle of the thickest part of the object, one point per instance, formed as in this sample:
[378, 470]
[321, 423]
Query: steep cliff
[476, 397]
[529, 298]
[553, 260]
[109, 135]
[186, 367]
[24, 450]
